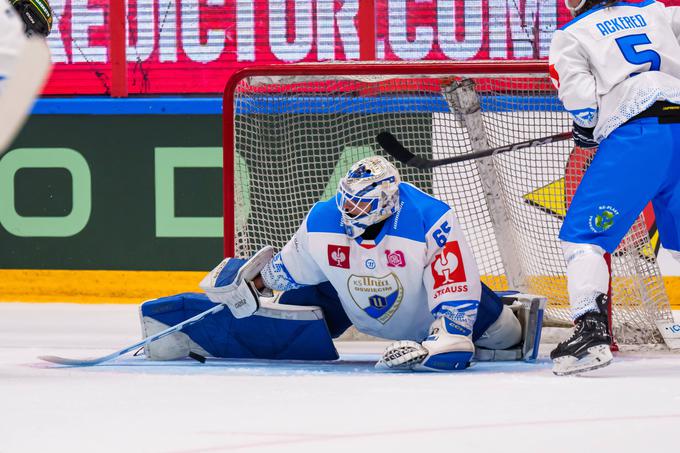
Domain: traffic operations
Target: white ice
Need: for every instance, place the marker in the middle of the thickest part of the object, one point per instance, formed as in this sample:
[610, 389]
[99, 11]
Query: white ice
[132, 405]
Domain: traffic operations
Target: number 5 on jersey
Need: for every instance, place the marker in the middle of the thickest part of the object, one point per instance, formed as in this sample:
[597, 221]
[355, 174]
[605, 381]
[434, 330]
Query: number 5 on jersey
[627, 46]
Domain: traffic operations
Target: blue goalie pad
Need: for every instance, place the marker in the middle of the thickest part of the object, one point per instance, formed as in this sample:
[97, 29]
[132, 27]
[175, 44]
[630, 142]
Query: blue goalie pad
[277, 333]
[488, 311]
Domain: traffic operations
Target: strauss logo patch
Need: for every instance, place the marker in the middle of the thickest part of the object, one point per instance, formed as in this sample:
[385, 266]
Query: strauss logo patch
[447, 267]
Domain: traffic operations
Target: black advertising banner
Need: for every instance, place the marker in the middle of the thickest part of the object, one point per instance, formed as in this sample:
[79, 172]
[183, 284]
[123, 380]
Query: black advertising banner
[144, 191]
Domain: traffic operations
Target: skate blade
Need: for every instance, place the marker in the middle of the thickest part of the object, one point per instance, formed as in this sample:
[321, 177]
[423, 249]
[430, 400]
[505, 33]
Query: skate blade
[597, 357]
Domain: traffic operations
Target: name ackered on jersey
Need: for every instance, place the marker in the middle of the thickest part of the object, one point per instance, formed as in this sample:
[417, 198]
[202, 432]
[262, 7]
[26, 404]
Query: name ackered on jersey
[612, 62]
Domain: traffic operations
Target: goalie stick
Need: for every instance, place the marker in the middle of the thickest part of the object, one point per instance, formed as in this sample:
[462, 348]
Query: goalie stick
[394, 148]
[23, 86]
[145, 341]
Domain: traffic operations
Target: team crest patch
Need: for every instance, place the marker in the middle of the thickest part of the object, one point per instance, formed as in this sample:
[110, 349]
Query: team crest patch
[447, 267]
[338, 256]
[379, 297]
[603, 220]
[395, 259]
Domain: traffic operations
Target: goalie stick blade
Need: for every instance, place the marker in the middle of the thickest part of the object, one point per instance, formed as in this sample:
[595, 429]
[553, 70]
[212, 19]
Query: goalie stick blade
[71, 362]
[139, 344]
[391, 145]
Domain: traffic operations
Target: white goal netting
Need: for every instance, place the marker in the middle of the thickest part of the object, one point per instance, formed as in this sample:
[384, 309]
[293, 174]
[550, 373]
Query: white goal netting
[294, 136]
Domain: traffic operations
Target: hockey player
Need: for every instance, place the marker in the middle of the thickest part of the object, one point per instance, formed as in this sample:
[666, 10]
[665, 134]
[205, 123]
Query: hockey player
[19, 20]
[393, 261]
[24, 60]
[616, 66]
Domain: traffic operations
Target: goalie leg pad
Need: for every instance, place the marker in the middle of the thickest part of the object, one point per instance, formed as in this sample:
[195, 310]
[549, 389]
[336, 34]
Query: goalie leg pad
[274, 332]
[528, 310]
[505, 333]
[175, 346]
[488, 312]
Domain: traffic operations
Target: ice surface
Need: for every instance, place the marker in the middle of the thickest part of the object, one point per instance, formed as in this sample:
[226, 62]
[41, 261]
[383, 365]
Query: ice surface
[132, 405]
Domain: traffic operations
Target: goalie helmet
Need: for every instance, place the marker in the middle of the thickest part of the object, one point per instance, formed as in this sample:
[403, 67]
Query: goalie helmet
[368, 194]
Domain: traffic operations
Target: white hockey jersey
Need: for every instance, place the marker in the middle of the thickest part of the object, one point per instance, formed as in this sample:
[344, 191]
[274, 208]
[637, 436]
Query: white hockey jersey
[388, 288]
[12, 39]
[611, 63]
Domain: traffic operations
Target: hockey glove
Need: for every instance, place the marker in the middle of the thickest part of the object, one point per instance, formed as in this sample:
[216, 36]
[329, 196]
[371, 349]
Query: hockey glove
[441, 351]
[237, 291]
[583, 137]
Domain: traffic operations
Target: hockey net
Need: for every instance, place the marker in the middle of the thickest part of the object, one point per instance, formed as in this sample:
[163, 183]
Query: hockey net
[290, 133]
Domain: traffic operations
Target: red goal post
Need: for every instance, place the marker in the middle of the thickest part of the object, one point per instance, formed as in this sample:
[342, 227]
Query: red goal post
[290, 131]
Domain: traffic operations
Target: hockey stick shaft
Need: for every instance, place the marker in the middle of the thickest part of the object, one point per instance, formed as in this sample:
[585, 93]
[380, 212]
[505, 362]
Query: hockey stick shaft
[145, 341]
[394, 148]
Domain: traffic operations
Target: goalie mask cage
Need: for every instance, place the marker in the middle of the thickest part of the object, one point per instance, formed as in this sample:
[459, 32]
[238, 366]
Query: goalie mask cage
[291, 131]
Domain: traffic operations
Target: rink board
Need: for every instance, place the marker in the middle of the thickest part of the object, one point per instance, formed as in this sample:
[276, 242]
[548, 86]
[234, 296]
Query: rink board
[92, 285]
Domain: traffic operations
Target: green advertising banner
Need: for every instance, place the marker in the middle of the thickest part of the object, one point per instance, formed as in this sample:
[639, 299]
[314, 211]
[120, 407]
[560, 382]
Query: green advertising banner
[129, 192]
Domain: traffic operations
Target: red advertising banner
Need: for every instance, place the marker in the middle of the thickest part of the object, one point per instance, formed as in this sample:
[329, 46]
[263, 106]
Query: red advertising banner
[191, 46]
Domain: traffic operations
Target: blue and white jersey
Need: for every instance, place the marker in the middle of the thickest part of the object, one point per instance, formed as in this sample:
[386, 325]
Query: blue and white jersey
[12, 39]
[391, 286]
[611, 63]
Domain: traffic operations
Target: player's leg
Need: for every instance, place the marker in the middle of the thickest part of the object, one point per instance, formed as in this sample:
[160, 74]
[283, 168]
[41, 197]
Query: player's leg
[667, 202]
[29, 69]
[609, 199]
[325, 297]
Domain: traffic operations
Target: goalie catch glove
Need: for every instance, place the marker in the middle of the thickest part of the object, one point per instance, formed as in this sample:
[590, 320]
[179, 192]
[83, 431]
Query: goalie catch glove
[583, 137]
[231, 283]
[442, 350]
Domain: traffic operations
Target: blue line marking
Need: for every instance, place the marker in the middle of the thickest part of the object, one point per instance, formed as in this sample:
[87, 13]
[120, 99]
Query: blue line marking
[128, 106]
[267, 105]
[278, 104]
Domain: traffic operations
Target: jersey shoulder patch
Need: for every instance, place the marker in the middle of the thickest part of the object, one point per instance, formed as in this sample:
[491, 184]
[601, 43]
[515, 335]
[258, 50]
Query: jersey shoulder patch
[324, 217]
[419, 212]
